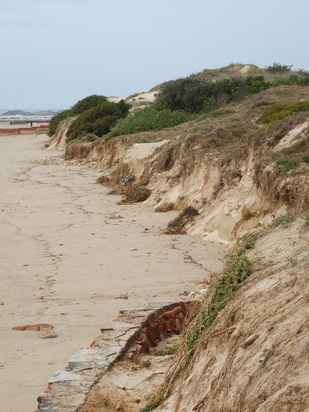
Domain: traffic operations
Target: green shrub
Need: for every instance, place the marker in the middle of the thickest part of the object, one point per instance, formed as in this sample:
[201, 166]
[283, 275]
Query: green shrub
[303, 72]
[148, 118]
[279, 111]
[78, 108]
[97, 120]
[278, 68]
[187, 94]
[55, 120]
[256, 84]
[193, 95]
[299, 80]
[96, 115]
[286, 164]
[87, 103]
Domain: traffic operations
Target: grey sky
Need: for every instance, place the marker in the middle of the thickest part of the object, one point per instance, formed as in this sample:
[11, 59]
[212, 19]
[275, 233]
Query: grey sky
[56, 52]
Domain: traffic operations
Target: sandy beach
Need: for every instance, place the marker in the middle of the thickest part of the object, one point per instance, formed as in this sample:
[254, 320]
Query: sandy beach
[68, 251]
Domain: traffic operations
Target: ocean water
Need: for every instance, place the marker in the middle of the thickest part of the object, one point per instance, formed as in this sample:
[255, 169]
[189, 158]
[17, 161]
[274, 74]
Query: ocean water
[28, 117]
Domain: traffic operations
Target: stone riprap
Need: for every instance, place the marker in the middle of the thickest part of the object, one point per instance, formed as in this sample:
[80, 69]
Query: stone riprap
[67, 390]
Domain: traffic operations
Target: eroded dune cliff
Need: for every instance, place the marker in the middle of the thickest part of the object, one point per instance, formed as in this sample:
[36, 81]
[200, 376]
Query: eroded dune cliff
[244, 178]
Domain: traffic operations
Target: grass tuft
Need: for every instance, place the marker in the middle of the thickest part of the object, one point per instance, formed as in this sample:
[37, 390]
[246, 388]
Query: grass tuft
[150, 407]
[283, 220]
[236, 271]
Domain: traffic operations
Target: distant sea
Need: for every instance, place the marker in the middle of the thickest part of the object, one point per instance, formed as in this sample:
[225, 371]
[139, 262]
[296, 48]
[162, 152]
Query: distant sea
[28, 117]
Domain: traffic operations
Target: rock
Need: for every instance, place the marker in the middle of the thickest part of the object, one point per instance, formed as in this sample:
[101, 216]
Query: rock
[122, 296]
[63, 376]
[48, 333]
[35, 327]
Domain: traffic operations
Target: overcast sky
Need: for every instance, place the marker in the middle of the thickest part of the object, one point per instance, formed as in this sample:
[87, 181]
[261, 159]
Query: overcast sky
[56, 52]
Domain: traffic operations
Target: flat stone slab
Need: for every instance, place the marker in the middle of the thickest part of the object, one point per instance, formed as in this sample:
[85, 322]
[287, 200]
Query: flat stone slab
[64, 376]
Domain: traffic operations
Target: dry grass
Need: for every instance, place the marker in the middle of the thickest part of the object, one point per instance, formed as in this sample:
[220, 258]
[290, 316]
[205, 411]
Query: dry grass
[109, 398]
[103, 180]
[134, 194]
[177, 225]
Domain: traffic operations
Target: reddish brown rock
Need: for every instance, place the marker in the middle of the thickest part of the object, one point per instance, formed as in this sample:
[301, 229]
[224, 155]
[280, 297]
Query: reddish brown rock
[36, 327]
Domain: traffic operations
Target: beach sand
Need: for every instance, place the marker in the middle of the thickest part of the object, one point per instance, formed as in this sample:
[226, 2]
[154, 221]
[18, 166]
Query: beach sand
[68, 250]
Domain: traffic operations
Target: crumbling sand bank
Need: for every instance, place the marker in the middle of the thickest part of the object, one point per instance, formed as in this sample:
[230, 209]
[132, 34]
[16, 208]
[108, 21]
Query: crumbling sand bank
[67, 252]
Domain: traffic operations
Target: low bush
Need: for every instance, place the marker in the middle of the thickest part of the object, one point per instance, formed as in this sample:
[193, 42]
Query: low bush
[293, 80]
[285, 164]
[278, 68]
[87, 103]
[193, 95]
[97, 120]
[95, 115]
[148, 118]
[78, 108]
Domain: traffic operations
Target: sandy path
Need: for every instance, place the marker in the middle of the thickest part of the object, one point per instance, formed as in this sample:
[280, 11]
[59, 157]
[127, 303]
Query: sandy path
[64, 259]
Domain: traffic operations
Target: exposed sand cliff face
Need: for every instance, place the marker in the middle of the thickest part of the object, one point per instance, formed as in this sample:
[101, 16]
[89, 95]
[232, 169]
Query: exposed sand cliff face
[58, 141]
[260, 362]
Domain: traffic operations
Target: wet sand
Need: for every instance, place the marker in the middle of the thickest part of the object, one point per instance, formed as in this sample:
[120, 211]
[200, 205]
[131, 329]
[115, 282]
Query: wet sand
[67, 252]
